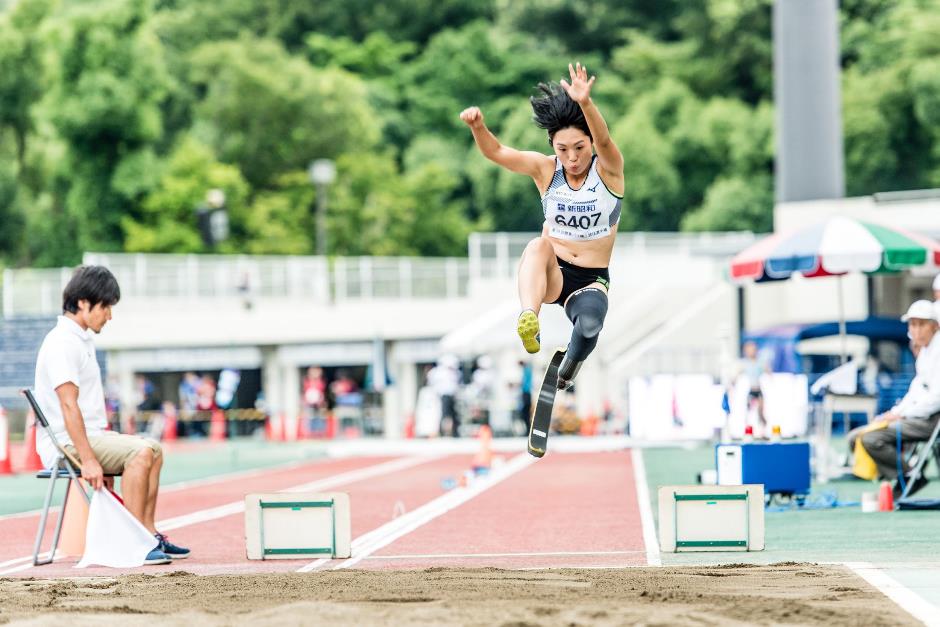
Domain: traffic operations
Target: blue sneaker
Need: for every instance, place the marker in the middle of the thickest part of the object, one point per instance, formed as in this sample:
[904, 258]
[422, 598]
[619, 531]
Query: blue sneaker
[170, 549]
[157, 556]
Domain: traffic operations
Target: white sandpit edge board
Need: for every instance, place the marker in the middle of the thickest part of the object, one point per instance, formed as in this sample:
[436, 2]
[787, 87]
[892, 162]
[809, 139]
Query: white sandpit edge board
[295, 525]
[711, 518]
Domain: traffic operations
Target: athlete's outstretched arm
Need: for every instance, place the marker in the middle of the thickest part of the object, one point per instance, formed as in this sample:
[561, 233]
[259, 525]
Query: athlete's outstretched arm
[579, 89]
[519, 161]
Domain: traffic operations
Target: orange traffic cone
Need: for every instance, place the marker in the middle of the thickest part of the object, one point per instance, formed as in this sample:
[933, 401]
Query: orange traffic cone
[170, 423]
[303, 427]
[31, 460]
[72, 540]
[281, 430]
[885, 497]
[331, 425]
[274, 429]
[217, 426]
[588, 426]
[6, 467]
[484, 457]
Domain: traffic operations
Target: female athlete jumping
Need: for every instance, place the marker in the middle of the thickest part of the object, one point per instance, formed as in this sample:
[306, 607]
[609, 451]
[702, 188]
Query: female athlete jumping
[582, 189]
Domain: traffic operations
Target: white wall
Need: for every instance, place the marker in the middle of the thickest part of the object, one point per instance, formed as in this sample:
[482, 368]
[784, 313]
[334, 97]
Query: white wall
[799, 300]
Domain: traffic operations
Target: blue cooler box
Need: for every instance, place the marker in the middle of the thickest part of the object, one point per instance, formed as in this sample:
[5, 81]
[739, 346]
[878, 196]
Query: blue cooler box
[783, 467]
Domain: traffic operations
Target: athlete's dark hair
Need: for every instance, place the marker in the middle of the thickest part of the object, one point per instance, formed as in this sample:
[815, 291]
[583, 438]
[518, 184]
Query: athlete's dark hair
[554, 110]
[95, 284]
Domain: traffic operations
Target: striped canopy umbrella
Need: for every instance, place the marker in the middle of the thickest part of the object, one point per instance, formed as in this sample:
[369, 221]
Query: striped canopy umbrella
[835, 246]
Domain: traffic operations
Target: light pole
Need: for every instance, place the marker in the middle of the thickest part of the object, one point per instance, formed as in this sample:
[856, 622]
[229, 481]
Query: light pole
[322, 173]
[213, 218]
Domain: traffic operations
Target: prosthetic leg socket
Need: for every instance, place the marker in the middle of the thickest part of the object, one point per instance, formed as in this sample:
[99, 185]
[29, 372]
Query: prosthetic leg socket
[586, 309]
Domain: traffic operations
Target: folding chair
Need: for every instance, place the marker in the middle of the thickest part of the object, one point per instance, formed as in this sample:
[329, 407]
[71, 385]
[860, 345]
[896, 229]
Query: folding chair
[65, 466]
[931, 446]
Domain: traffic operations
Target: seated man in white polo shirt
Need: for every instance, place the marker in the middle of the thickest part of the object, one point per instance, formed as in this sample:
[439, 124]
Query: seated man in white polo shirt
[70, 394]
[915, 415]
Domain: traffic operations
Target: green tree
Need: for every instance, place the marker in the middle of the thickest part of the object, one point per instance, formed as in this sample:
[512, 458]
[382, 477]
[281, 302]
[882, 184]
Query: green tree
[379, 211]
[21, 70]
[406, 20]
[21, 85]
[269, 112]
[925, 88]
[116, 116]
[718, 48]
[378, 55]
[168, 220]
[652, 184]
[12, 219]
[432, 221]
[676, 146]
[280, 221]
[104, 102]
[870, 161]
[590, 27]
[731, 48]
[720, 137]
[475, 65]
[186, 21]
[735, 204]
[890, 50]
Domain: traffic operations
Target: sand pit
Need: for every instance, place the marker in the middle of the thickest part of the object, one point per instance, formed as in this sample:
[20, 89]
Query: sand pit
[802, 594]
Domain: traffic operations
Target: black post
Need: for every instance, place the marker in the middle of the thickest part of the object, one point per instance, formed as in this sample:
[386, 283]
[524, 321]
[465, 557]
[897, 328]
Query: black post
[203, 217]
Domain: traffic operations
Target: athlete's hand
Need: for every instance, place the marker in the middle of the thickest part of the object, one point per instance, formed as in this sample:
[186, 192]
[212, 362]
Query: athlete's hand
[579, 89]
[472, 117]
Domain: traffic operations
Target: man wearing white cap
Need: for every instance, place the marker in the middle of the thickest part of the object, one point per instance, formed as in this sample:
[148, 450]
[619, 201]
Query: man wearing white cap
[916, 415]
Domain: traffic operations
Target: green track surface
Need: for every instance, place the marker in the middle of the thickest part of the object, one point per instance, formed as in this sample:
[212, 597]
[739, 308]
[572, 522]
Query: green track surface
[842, 534]
[20, 493]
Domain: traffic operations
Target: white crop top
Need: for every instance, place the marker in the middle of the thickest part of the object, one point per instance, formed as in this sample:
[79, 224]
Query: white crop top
[589, 212]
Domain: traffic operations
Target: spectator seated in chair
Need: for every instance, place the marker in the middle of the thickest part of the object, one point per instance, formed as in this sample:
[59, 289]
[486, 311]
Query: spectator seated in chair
[916, 415]
[69, 392]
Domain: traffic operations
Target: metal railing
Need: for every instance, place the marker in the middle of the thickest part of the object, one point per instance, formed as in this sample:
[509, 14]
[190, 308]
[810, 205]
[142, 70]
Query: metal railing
[495, 255]
[150, 278]
[33, 291]
[155, 277]
[399, 277]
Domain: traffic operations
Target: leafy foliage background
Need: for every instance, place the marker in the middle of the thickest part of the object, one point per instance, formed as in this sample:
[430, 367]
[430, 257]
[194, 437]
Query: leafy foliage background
[116, 116]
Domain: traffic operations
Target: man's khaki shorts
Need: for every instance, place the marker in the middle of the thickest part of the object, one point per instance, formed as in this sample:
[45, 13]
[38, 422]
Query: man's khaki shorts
[115, 450]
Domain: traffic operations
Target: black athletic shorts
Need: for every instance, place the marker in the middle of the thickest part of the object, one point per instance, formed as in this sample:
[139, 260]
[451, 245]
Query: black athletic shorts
[575, 277]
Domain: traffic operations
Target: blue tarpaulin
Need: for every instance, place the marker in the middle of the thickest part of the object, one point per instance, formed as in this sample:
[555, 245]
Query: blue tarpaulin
[779, 343]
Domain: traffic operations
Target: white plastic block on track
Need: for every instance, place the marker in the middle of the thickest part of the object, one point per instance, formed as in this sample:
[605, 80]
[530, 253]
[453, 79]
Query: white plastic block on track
[291, 525]
[696, 518]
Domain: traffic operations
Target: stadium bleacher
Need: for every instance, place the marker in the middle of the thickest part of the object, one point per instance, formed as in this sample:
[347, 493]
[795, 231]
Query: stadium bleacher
[20, 338]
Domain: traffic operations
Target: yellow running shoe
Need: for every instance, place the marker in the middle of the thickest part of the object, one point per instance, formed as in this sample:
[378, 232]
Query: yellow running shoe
[528, 329]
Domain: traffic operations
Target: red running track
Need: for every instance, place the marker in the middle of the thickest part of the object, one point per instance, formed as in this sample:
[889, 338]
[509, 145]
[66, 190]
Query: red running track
[17, 533]
[564, 510]
[573, 509]
[218, 544]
